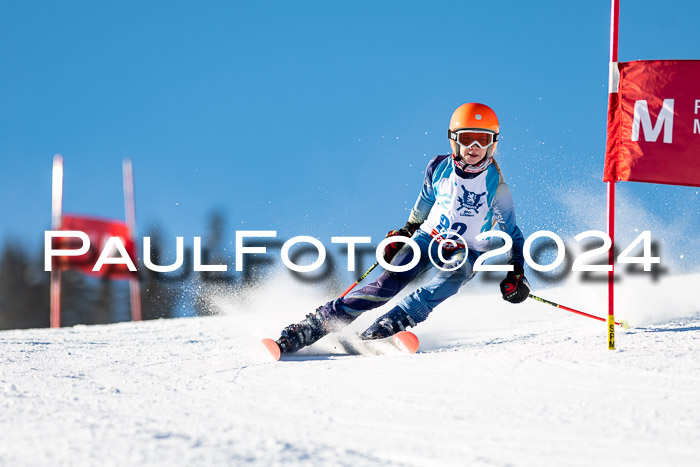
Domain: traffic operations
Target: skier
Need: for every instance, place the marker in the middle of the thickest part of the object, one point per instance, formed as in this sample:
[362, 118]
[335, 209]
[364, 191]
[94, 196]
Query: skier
[463, 193]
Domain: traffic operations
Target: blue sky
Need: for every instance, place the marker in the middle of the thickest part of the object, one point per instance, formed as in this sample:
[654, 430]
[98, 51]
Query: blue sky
[318, 117]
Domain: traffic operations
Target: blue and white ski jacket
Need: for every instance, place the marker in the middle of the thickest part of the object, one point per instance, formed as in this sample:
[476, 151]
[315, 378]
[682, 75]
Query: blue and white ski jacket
[453, 201]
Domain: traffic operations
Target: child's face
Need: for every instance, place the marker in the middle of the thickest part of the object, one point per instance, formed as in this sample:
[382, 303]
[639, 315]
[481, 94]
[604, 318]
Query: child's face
[473, 154]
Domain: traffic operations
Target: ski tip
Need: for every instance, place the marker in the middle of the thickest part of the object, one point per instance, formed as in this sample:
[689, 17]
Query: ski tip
[272, 348]
[406, 341]
[625, 324]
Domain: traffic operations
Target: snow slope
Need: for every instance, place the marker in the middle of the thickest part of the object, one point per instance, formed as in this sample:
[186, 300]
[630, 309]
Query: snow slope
[519, 385]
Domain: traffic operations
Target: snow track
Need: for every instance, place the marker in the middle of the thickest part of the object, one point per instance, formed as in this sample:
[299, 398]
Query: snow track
[525, 385]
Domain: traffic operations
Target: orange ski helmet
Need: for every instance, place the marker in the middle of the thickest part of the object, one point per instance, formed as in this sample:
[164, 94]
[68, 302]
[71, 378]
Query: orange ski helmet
[467, 120]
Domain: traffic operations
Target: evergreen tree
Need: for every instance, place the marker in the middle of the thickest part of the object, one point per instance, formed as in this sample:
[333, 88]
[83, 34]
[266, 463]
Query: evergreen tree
[159, 291]
[24, 289]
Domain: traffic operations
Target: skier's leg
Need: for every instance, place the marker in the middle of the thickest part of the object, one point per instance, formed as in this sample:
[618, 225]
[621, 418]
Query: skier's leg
[338, 313]
[416, 307]
[388, 284]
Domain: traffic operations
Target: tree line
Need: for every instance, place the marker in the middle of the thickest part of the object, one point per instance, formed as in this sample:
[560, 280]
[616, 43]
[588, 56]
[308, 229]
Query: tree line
[25, 287]
[25, 293]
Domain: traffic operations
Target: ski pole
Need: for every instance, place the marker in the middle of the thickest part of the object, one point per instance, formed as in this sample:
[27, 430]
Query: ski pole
[623, 323]
[359, 279]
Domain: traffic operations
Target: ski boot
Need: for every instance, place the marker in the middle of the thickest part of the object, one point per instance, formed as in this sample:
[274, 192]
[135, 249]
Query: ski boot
[308, 331]
[325, 319]
[389, 324]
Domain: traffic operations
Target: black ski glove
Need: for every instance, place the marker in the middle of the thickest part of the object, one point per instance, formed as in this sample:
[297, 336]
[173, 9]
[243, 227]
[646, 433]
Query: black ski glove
[406, 231]
[515, 287]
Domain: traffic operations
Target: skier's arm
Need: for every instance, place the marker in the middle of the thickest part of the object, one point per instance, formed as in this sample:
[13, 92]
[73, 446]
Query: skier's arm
[420, 210]
[515, 287]
[504, 212]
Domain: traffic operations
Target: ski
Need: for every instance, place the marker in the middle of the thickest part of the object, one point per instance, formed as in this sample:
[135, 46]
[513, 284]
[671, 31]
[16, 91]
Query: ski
[272, 347]
[405, 341]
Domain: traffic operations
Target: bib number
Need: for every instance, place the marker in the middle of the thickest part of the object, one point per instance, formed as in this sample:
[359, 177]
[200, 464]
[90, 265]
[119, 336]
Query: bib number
[459, 227]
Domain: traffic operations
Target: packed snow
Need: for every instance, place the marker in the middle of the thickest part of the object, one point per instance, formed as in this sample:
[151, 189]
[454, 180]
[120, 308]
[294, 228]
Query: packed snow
[492, 384]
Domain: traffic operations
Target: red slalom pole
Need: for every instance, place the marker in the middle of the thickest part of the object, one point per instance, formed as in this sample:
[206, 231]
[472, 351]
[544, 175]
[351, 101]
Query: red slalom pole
[612, 95]
[359, 279]
[623, 323]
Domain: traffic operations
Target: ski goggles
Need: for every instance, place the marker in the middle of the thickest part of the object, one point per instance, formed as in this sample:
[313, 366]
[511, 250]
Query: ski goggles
[467, 138]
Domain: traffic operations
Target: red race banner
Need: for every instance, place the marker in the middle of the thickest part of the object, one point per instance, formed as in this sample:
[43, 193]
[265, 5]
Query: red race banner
[654, 122]
[99, 231]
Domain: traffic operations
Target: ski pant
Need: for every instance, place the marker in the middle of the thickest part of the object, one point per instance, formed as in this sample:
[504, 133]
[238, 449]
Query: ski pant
[419, 303]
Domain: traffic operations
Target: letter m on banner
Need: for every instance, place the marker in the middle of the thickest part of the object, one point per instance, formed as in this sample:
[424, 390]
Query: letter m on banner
[651, 133]
[654, 122]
